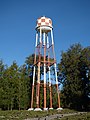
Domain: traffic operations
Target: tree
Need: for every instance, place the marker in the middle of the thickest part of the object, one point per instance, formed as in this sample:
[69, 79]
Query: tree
[85, 75]
[2, 84]
[73, 63]
[23, 89]
[29, 71]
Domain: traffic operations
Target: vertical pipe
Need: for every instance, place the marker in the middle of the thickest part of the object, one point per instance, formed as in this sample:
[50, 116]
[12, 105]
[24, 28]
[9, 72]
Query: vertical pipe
[36, 39]
[44, 71]
[52, 36]
[44, 36]
[56, 73]
[53, 45]
[47, 42]
[33, 87]
[40, 36]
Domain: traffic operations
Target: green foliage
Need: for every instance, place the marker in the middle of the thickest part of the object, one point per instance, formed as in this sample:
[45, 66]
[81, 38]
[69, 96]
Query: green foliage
[14, 88]
[75, 77]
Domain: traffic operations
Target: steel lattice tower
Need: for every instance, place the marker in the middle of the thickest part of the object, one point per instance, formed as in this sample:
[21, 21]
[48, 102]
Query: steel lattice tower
[44, 59]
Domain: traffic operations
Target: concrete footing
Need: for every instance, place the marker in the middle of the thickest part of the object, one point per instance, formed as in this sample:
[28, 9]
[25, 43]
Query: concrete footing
[45, 109]
[30, 109]
[60, 108]
[37, 109]
[50, 108]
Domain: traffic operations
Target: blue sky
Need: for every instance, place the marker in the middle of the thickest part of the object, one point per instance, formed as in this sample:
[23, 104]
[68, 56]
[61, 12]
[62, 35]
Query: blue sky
[71, 23]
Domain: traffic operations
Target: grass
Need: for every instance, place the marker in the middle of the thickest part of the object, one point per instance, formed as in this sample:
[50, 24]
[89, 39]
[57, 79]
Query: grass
[84, 116]
[19, 115]
[23, 114]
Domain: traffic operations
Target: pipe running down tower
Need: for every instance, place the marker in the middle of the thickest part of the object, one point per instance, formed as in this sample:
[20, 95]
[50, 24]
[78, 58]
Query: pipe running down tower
[44, 62]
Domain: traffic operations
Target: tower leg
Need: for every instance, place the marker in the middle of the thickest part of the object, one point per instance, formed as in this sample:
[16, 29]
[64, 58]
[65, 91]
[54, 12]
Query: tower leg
[57, 86]
[58, 96]
[50, 97]
[45, 87]
[55, 70]
[45, 97]
[38, 86]
[50, 90]
[44, 43]
[32, 96]
[38, 81]
[34, 73]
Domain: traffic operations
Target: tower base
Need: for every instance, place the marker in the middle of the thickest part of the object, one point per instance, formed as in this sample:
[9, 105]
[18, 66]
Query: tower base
[30, 109]
[60, 108]
[45, 109]
[50, 108]
[37, 109]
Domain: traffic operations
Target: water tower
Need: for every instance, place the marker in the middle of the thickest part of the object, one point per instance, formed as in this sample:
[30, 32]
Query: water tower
[44, 61]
